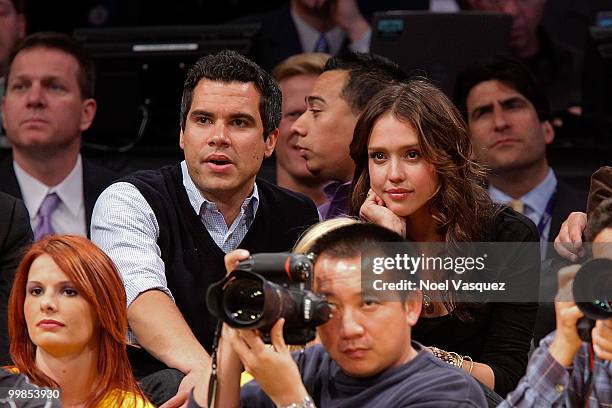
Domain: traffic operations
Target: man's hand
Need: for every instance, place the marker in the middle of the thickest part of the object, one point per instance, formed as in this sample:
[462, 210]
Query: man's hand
[568, 243]
[567, 341]
[602, 339]
[273, 368]
[346, 14]
[374, 210]
[234, 257]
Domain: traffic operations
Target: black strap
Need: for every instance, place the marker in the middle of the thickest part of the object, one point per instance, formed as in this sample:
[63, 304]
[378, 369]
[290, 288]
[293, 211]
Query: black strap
[212, 382]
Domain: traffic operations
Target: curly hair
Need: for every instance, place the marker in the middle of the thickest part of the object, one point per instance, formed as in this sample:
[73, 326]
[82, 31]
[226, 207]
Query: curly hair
[460, 208]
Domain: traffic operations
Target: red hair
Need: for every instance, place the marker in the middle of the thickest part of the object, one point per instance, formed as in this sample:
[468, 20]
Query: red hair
[96, 279]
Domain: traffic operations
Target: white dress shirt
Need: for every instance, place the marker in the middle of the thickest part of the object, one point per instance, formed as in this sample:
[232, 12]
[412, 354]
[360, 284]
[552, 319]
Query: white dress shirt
[69, 216]
[535, 202]
[443, 6]
[124, 226]
[335, 37]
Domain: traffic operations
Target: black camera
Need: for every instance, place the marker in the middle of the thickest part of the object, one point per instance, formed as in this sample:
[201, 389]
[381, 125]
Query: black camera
[266, 287]
[592, 291]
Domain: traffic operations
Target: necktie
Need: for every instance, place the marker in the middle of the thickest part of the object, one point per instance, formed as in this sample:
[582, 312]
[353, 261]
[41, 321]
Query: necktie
[47, 207]
[322, 45]
[518, 206]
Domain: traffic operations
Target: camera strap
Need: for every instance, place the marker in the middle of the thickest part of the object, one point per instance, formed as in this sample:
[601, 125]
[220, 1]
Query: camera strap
[212, 382]
[588, 384]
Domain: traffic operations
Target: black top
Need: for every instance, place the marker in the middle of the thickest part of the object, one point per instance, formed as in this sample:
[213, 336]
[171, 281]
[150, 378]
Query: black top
[192, 258]
[498, 334]
[424, 381]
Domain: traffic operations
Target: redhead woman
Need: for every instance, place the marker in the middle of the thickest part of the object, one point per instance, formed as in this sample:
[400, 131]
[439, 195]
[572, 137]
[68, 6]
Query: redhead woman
[68, 324]
[414, 174]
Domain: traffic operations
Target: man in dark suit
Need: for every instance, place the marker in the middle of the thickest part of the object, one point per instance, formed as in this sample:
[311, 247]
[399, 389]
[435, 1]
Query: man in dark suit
[509, 119]
[329, 26]
[48, 104]
[556, 66]
[15, 234]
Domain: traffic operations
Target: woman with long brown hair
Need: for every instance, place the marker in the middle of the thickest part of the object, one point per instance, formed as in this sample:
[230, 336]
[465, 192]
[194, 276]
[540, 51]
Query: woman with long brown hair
[415, 175]
[68, 324]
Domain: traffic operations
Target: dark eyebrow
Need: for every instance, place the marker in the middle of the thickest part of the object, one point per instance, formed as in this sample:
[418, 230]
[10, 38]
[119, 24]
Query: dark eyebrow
[513, 101]
[200, 112]
[243, 115]
[481, 109]
[311, 99]
[384, 149]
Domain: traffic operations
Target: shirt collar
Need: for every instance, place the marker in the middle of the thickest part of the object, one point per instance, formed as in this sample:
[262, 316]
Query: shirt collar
[536, 199]
[333, 188]
[539, 196]
[69, 190]
[309, 36]
[197, 199]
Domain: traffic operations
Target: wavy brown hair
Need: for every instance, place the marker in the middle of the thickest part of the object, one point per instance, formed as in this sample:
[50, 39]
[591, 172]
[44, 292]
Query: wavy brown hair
[461, 207]
[96, 279]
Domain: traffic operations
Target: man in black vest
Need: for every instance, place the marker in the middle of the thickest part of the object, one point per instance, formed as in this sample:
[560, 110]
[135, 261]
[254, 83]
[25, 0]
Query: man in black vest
[168, 230]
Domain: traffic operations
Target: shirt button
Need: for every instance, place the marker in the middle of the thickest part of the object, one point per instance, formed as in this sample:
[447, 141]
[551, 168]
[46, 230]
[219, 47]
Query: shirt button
[559, 388]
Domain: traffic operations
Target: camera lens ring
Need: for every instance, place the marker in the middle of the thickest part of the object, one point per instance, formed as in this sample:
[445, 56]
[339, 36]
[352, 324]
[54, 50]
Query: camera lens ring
[243, 301]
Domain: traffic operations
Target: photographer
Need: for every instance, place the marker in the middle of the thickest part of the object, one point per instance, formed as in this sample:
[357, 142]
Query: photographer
[366, 358]
[566, 371]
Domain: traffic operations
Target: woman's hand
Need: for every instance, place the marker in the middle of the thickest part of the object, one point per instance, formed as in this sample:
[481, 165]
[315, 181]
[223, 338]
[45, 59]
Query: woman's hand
[375, 211]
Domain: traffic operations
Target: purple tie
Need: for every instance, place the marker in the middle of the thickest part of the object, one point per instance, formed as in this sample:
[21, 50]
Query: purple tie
[322, 45]
[47, 207]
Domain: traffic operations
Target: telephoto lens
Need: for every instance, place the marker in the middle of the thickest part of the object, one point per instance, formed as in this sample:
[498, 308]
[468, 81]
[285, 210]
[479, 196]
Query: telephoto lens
[266, 287]
[592, 292]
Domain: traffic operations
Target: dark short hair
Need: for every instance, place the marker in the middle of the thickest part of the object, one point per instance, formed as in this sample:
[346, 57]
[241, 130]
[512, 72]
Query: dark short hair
[511, 72]
[19, 6]
[86, 75]
[367, 75]
[230, 66]
[348, 241]
[599, 219]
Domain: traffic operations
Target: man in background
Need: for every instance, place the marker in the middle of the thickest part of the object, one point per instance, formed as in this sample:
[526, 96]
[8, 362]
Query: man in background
[329, 26]
[556, 66]
[15, 236]
[510, 122]
[49, 103]
[326, 128]
[12, 30]
[296, 76]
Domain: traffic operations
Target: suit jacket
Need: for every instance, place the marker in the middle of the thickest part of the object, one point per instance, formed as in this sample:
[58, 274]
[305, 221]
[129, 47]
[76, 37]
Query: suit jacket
[15, 234]
[568, 200]
[277, 38]
[95, 179]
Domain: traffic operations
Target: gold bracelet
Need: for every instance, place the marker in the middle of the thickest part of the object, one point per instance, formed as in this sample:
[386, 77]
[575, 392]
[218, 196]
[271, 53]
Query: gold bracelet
[471, 363]
[449, 357]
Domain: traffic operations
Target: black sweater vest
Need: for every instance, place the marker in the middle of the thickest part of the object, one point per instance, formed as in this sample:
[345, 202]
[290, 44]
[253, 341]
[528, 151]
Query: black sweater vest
[192, 258]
